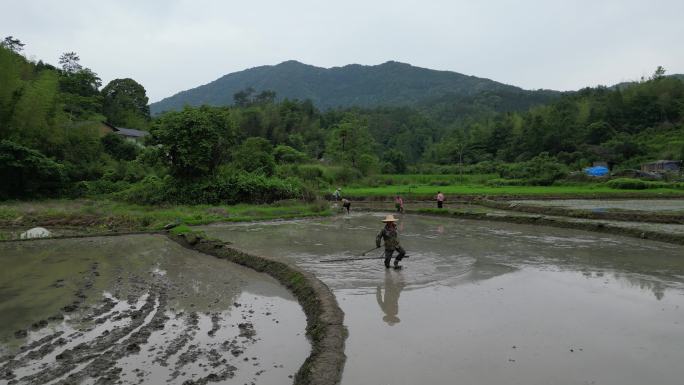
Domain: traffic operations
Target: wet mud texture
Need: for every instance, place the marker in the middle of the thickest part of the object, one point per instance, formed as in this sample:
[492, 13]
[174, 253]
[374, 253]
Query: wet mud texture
[482, 302]
[325, 319]
[150, 326]
[624, 215]
[556, 221]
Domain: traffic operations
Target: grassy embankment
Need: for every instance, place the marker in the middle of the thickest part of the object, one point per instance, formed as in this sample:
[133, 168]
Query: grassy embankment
[427, 186]
[104, 215]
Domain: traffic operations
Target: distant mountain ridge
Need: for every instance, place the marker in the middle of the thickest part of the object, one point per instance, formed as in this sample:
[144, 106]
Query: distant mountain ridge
[388, 84]
[623, 85]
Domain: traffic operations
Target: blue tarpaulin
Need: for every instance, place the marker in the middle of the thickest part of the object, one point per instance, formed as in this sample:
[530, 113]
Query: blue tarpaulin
[596, 171]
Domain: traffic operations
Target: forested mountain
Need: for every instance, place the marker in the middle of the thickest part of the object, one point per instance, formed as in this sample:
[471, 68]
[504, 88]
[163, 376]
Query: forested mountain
[260, 149]
[388, 84]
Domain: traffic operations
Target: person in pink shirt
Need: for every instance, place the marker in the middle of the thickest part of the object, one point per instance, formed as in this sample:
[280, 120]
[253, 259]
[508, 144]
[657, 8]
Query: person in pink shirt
[440, 199]
[399, 204]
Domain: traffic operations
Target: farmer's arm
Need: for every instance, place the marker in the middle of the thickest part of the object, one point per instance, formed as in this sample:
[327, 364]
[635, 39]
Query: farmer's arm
[378, 238]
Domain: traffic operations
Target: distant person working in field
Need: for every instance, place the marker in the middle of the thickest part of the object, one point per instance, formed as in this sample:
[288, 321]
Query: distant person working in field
[337, 194]
[399, 204]
[346, 204]
[440, 200]
[390, 236]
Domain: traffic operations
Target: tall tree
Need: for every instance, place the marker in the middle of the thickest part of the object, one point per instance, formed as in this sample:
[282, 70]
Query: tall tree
[11, 68]
[125, 103]
[349, 139]
[70, 62]
[659, 73]
[12, 44]
[33, 116]
[81, 95]
[195, 140]
[255, 155]
[243, 98]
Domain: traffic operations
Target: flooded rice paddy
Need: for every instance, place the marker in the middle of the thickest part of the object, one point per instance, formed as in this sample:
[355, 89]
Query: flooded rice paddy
[648, 205]
[492, 303]
[141, 309]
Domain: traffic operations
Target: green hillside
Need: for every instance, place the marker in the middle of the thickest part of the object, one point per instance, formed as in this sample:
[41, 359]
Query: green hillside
[261, 149]
[388, 84]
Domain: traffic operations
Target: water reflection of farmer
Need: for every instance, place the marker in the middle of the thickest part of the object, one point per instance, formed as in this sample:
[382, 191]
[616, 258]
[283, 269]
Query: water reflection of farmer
[394, 283]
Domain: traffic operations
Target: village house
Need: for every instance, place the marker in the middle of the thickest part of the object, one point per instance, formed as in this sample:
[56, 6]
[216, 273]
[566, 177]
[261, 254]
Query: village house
[128, 133]
[662, 166]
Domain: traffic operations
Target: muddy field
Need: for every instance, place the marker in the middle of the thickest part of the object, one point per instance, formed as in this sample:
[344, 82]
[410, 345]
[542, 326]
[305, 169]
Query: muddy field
[646, 205]
[141, 309]
[492, 303]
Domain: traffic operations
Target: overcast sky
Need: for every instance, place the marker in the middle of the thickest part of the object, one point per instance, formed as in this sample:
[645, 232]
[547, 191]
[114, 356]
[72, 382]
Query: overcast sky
[172, 45]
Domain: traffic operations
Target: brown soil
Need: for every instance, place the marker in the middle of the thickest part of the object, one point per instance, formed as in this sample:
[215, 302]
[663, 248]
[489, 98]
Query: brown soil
[325, 319]
[559, 222]
[635, 216]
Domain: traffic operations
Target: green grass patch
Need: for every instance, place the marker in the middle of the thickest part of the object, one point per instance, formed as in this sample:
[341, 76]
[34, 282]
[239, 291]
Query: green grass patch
[181, 229]
[425, 191]
[422, 179]
[107, 214]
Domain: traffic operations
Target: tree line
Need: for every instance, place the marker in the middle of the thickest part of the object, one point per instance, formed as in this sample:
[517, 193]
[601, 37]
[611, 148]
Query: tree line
[260, 149]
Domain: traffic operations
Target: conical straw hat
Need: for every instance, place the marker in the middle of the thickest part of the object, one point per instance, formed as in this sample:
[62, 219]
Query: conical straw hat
[390, 218]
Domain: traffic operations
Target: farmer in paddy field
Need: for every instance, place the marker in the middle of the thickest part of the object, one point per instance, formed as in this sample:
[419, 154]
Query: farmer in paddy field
[440, 200]
[391, 238]
[346, 204]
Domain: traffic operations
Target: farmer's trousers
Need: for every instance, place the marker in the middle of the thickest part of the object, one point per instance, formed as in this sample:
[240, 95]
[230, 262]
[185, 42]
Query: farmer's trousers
[388, 255]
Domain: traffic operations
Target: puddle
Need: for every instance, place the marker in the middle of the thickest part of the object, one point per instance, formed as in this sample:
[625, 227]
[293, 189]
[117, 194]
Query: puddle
[141, 309]
[492, 303]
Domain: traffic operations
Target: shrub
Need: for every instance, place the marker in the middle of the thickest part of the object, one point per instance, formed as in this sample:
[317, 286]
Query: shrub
[638, 184]
[255, 155]
[395, 161]
[125, 171]
[310, 172]
[25, 172]
[506, 182]
[312, 175]
[98, 187]
[285, 154]
[368, 164]
[151, 190]
[253, 188]
[223, 188]
[343, 175]
[627, 184]
[118, 147]
[541, 170]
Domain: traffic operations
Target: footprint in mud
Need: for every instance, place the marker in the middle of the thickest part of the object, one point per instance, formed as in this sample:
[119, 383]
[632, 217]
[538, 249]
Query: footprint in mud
[143, 329]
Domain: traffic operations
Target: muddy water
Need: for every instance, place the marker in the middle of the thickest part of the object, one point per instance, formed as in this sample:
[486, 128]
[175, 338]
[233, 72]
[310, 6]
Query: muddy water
[492, 303]
[655, 205]
[141, 309]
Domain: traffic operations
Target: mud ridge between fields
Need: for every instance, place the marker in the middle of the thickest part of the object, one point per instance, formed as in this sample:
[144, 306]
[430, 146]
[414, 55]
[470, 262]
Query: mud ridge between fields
[414, 197]
[586, 214]
[325, 319]
[677, 239]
